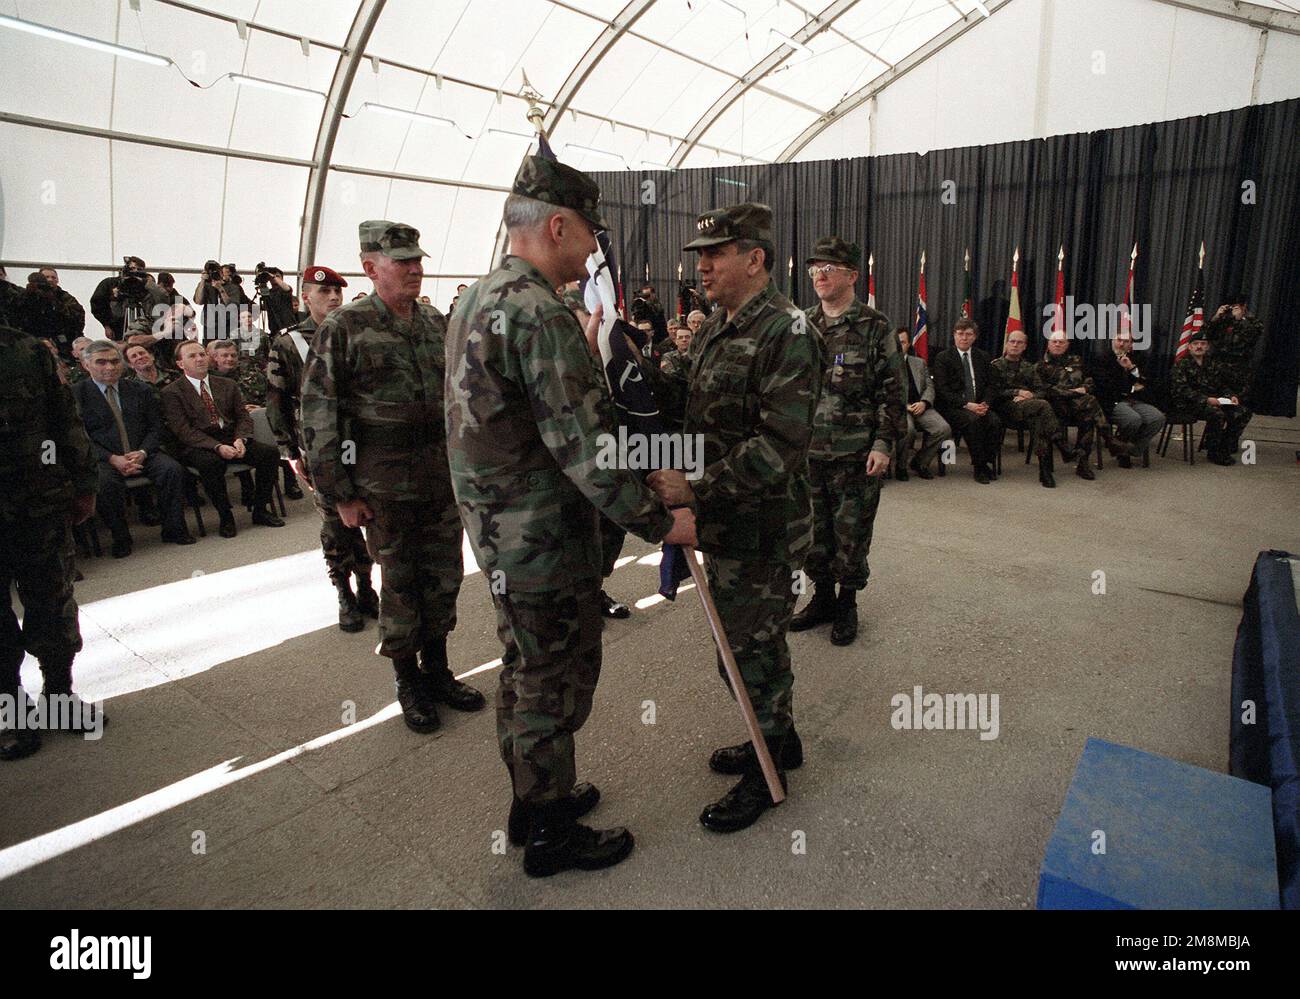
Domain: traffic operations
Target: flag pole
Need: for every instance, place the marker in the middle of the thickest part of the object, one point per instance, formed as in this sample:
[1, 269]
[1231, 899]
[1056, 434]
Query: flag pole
[734, 679]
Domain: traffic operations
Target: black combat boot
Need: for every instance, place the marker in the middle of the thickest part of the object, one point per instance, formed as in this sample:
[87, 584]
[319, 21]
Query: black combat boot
[745, 803]
[74, 714]
[439, 682]
[418, 709]
[845, 627]
[367, 598]
[557, 842]
[581, 800]
[1062, 441]
[18, 739]
[611, 608]
[1046, 470]
[737, 759]
[820, 609]
[1083, 468]
[350, 618]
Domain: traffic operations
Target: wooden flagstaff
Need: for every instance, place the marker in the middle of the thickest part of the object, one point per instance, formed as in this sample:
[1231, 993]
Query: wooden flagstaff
[734, 678]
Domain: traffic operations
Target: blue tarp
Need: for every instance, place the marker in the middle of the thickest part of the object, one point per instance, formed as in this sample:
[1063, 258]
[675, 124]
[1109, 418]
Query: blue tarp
[1265, 743]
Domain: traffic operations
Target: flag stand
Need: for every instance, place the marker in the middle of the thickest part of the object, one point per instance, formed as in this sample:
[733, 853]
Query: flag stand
[733, 677]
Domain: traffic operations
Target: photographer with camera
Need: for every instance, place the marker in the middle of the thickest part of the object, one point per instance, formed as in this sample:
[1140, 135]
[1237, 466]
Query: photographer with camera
[125, 297]
[220, 296]
[275, 296]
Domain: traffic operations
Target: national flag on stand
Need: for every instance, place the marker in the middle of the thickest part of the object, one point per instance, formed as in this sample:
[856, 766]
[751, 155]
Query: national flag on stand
[1058, 307]
[1014, 325]
[871, 281]
[1195, 309]
[1125, 319]
[631, 393]
[920, 331]
[967, 303]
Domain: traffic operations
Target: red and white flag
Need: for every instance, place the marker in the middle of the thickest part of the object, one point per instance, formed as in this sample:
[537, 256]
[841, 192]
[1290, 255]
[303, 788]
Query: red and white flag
[1195, 308]
[1014, 325]
[871, 281]
[1125, 319]
[1058, 308]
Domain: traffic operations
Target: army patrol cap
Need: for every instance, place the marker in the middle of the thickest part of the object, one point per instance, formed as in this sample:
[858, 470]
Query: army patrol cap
[834, 250]
[725, 225]
[1198, 335]
[392, 239]
[561, 185]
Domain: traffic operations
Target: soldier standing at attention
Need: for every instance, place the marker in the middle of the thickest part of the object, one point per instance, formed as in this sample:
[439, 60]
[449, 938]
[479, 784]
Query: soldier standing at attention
[527, 405]
[344, 547]
[1018, 396]
[377, 451]
[859, 418]
[750, 391]
[49, 483]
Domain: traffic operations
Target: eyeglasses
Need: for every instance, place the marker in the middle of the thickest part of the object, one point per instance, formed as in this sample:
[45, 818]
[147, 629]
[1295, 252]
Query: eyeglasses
[826, 270]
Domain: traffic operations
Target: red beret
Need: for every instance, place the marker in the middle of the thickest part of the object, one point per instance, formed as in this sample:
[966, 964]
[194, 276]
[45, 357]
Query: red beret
[324, 277]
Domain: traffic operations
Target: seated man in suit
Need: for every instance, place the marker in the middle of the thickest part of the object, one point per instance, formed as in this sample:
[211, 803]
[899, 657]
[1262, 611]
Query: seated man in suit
[1126, 393]
[125, 426]
[1020, 397]
[962, 383]
[920, 413]
[212, 429]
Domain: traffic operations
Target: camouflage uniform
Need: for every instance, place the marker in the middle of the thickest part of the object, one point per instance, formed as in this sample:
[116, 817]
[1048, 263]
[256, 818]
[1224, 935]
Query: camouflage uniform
[861, 409]
[751, 391]
[251, 378]
[372, 428]
[1060, 375]
[1036, 414]
[1233, 344]
[45, 462]
[344, 547]
[1192, 384]
[674, 364]
[526, 403]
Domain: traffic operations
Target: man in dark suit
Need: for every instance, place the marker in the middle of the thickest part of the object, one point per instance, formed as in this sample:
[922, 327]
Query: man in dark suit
[213, 429]
[124, 422]
[963, 381]
[1126, 394]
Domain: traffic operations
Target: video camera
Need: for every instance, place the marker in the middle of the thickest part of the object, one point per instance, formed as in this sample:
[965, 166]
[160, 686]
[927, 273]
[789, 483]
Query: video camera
[264, 277]
[131, 281]
[212, 271]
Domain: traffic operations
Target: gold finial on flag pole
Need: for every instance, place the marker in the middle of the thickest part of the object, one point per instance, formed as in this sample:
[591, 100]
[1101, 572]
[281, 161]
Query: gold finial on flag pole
[922, 261]
[1200, 260]
[1060, 258]
[1015, 259]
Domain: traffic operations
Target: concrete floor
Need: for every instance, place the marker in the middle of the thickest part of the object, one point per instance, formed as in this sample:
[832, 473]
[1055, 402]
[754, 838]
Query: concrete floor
[979, 589]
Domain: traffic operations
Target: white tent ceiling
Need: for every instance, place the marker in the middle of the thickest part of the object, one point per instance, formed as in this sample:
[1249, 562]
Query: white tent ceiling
[105, 155]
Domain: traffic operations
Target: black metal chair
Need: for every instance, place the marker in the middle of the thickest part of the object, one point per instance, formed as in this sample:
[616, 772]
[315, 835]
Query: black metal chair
[1187, 427]
[262, 433]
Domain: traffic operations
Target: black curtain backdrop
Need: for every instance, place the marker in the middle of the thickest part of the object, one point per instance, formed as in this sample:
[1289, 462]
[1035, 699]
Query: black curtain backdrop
[1165, 185]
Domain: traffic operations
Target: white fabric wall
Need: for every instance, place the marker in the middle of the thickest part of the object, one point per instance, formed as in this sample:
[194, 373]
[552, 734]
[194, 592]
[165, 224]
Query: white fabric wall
[999, 82]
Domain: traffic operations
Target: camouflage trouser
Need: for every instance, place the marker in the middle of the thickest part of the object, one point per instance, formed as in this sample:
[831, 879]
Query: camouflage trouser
[755, 601]
[611, 545]
[418, 546]
[844, 505]
[1223, 426]
[1036, 415]
[39, 556]
[1085, 412]
[344, 547]
[551, 665]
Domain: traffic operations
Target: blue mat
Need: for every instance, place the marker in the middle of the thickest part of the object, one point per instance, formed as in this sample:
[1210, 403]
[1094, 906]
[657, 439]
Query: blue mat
[1266, 673]
[1176, 837]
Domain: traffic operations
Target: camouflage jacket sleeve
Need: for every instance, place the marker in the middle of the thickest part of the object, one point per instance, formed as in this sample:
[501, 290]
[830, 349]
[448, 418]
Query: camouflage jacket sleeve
[326, 424]
[574, 412]
[69, 434]
[789, 367]
[281, 397]
[891, 393]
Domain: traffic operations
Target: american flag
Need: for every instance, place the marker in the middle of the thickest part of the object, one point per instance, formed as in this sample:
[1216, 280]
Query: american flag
[920, 343]
[1195, 317]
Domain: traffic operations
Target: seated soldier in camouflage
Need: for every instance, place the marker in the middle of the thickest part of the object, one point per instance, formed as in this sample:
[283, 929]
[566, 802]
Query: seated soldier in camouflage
[1019, 397]
[1200, 386]
[1070, 391]
[142, 367]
